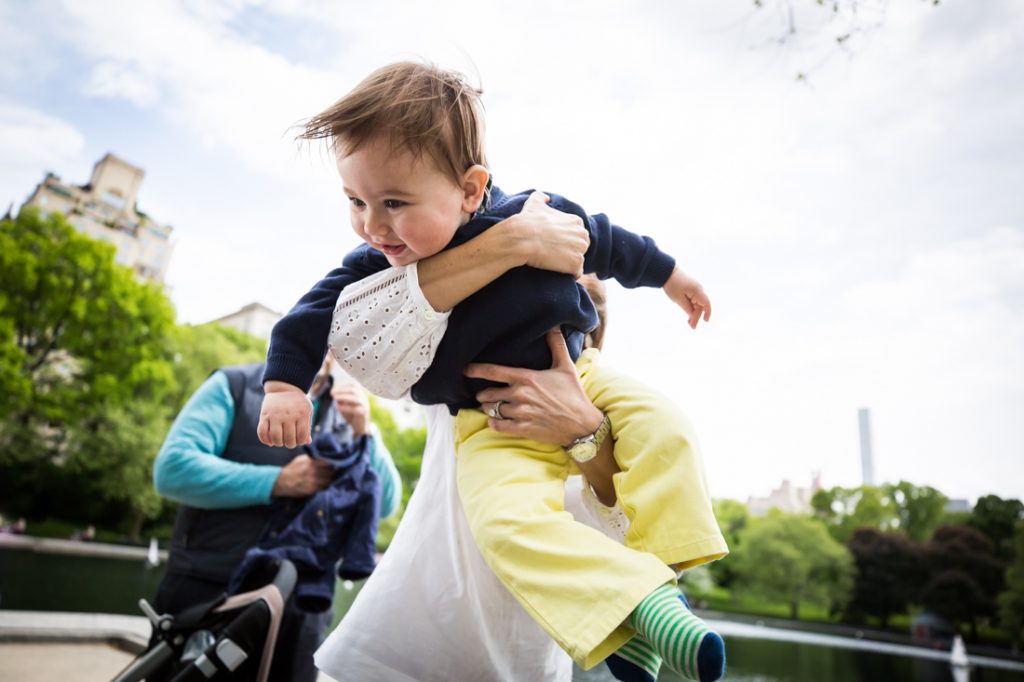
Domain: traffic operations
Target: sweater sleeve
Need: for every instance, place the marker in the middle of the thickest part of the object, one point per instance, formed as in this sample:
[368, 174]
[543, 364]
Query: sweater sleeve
[631, 259]
[298, 341]
[189, 467]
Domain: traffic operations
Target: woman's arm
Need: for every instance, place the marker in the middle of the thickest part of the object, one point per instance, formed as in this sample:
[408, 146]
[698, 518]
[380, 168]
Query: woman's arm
[539, 236]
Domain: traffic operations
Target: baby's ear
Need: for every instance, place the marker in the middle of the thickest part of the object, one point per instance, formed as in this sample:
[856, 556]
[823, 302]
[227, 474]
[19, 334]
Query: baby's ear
[474, 186]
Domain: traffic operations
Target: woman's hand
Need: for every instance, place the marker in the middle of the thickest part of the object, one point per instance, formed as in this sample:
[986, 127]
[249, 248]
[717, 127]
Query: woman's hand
[548, 406]
[550, 239]
[354, 407]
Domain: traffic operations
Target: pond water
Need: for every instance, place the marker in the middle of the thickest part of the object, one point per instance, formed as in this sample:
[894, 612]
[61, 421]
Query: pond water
[53, 582]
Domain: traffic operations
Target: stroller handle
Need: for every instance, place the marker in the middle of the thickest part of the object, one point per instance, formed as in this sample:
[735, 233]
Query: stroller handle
[285, 579]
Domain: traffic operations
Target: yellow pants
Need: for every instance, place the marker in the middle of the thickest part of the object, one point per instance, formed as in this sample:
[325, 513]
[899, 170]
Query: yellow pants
[577, 583]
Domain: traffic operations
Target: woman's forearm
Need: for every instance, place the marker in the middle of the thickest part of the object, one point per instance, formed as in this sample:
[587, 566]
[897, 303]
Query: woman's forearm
[453, 275]
[538, 236]
[600, 471]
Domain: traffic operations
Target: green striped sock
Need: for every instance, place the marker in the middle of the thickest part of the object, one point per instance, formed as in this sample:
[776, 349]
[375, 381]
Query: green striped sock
[673, 630]
[641, 654]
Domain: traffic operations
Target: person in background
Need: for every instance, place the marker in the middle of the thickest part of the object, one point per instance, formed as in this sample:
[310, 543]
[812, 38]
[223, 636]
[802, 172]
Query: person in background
[227, 482]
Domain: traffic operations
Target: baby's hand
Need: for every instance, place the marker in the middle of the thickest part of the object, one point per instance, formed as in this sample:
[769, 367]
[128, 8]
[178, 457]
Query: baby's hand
[285, 417]
[688, 295]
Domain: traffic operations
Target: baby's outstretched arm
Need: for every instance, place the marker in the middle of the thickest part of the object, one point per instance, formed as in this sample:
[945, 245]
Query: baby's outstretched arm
[689, 295]
[285, 416]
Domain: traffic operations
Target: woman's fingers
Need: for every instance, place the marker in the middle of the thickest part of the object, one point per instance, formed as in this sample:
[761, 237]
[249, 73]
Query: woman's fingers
[560, 358]
[534, 198]
[499, 373]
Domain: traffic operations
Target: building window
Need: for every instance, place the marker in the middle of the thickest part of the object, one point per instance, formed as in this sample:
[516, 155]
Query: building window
[114, 198]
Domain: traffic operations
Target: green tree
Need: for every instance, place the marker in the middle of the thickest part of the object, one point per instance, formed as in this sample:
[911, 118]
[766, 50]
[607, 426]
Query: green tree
[733, 519]
[997, 518]
[845, 510]
[116, 454]
[919, 509]
[793, 559]
[197, 350]
[890, 570]
[406, 448]
[81, 339]
[1011, 602]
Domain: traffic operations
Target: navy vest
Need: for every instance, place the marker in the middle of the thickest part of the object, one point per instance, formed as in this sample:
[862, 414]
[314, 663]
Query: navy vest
[210, 543]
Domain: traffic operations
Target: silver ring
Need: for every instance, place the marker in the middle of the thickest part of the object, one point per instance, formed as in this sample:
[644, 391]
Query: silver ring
[495, 411]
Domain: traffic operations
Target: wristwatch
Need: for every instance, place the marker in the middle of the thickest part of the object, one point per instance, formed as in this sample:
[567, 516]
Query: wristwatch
[585, 448]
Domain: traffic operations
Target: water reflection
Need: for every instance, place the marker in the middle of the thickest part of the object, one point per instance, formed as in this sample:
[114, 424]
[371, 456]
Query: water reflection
[35, 581]
[754, 660]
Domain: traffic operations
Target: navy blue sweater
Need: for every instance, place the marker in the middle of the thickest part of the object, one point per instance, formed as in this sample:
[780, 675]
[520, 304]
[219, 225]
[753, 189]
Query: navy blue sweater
[505, 322]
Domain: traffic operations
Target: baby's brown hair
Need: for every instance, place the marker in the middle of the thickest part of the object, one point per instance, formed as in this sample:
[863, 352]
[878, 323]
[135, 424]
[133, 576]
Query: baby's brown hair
[596, 289]
[418, 107]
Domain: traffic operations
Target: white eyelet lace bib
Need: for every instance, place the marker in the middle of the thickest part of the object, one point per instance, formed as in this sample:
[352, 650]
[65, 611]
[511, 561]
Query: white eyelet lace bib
[384, 332]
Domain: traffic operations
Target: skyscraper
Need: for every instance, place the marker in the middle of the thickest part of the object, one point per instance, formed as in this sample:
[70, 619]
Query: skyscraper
[867, 464]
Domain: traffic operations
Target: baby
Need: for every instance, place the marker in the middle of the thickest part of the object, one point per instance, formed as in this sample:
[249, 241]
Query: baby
[409, 147]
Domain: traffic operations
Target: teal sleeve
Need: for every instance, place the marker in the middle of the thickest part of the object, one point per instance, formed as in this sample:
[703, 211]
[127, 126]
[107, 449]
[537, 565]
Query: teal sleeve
[387, 472]
[189, 467]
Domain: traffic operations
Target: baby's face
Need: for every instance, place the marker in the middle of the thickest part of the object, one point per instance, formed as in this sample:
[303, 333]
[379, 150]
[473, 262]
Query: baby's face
[404, 207]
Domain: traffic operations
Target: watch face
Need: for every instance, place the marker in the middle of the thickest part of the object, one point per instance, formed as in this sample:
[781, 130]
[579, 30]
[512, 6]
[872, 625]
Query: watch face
[584, 452]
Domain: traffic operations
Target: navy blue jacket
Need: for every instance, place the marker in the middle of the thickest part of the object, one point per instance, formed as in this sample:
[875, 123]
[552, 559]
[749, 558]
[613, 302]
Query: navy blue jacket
[337, 523]
[505, 322]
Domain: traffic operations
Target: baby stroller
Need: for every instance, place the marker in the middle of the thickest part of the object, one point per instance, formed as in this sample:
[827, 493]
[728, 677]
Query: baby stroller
[229, 638]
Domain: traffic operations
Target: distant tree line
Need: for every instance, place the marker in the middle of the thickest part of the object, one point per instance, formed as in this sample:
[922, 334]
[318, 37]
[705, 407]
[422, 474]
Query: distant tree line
[882, 551]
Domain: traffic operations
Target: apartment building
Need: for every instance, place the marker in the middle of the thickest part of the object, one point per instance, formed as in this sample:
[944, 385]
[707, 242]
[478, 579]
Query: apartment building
[106, 208]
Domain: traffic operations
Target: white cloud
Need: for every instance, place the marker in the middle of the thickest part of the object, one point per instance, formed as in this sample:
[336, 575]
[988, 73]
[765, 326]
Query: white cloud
[32, 141]
[233, 95]
[32, 137]
[114, 80]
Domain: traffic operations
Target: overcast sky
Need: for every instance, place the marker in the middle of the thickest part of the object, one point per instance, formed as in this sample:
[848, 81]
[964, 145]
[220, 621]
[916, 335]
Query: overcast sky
[861, 234]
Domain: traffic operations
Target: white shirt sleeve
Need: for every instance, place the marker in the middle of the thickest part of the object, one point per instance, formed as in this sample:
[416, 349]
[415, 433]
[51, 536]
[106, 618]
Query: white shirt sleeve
[384, 332]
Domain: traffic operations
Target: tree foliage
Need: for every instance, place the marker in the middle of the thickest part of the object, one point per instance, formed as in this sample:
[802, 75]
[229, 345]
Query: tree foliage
[1011, 602]
[955, 596]
[733, 518]
[197, 350]
[997, 519]
[962, 562]
[406, 447]
[846, 509]
[81, 340]
[919, 509]
[890, 571]
[916, 510]
[793, 559]
[92, 370]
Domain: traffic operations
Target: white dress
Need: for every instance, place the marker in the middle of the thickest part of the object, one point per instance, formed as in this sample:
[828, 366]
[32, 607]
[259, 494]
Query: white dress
[432, 611]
